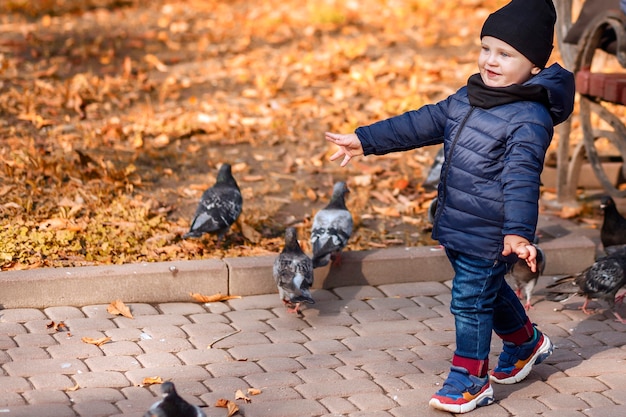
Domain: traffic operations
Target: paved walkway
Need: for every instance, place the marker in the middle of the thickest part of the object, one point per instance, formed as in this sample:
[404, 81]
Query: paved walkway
[360, 351]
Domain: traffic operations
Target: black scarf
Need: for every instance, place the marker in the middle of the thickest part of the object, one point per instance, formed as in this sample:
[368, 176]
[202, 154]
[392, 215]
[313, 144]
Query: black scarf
[481, 95]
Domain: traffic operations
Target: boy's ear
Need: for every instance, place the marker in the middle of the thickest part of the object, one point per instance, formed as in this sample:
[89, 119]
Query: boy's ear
[535, 70]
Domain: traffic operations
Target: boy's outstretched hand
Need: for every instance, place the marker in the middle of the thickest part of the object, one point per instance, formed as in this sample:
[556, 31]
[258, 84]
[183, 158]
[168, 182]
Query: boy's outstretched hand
[349, 146]
[522, 248]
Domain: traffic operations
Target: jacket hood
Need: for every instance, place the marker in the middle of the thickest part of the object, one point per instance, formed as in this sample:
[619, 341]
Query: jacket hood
[559, 84]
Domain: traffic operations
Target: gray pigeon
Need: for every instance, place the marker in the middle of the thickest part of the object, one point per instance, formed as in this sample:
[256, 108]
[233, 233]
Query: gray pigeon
[602, 280]
[219, 207]
[525, 279]
[613, 231]
[173, 405]
[332, 228]
[293, 273]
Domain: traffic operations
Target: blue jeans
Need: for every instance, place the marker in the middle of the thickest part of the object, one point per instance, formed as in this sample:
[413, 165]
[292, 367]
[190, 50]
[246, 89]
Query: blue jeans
[482, 301]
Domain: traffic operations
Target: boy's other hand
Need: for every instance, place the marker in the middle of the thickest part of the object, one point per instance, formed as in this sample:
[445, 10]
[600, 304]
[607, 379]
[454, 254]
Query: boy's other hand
[349, 146]
[522, 248]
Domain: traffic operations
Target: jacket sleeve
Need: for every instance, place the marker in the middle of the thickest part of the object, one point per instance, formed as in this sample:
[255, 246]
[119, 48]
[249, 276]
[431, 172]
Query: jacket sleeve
[413, 129]
[521, 177]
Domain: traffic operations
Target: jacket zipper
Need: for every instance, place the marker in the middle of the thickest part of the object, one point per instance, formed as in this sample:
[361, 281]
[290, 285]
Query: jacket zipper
[448, 158]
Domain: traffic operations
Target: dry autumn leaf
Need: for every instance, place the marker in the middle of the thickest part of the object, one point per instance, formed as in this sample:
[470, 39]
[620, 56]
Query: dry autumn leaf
[151, 380]
[212, 298]
[97, 342]
[254, 391]
[118, 308]
[239, 395]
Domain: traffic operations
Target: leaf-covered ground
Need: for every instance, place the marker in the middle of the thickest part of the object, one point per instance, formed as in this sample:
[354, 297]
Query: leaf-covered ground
[114, 116]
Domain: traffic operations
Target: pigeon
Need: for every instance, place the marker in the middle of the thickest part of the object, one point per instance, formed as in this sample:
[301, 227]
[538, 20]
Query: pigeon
[613, 230]
[602, 280]
[219, 207]
[332, 228]
[293, 273]
[173, 405]
[525, 279]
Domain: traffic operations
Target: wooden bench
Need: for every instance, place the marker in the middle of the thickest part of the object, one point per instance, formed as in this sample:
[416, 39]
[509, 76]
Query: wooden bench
[598, 92]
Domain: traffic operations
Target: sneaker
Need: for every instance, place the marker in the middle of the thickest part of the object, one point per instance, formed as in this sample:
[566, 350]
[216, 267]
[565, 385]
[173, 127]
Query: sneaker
[515, 362]
[462, 392]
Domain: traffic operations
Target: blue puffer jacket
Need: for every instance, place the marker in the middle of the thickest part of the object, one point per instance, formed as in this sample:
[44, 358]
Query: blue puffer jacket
[494, 157]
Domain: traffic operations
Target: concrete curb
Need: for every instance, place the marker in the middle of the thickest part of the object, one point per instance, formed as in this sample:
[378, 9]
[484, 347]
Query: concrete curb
[173, 281]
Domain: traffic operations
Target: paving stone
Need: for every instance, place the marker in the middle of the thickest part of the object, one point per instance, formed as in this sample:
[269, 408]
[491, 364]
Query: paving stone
[74, 350]
[379, 328]
[11, 329]
[96, 409]
[329, 332]
[51, 382]
[566, 401]
[21, 315]
[46, 397]
[152, 320]
[372, 401]
[104, 379]
[121, 348]
[321, 361]
[155, 359]
[9, 400]
[393, 368]
[170, 344]
[280, 364]
[286, 336]
[272, 379]
[607, 411]
[112, 363]
[419, 314]
[204, 356]
[376, 342]
[63, 313]
[235, 368]
[338, 405]
[27, 352]
[361, 357]
[385, 303]
[266, 350]
[595, 399]
[350, 372]
[163, 332]
[208, 318]
[89, 395]
[342, 388]
[325, 346]
[289, 408]
[390, 384]
[522, 406]
[414, 289]
[47, 410]
[34, 339]
[125, 334]
[44, 366]
[225, 386]
[192, 372]
[182, 309]
[377, 315]
[574, 385]
[13, 384]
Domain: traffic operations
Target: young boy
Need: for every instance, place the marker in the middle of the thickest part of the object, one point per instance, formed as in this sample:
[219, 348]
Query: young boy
[495, 132]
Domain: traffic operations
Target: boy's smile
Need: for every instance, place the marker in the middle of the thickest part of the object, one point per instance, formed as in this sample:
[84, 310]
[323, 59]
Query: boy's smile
[500, 65]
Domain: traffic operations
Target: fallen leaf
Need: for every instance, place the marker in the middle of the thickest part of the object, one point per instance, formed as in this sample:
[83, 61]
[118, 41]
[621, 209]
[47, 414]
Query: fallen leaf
[221, 403]
[118, 308]
[151, 380]
[74, 388]
[212, 298]
[232, 408]
[97, 342]
[254, 391]
[239, 395]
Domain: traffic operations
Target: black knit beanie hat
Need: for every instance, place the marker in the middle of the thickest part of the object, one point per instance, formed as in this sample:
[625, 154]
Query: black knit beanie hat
[526, 25]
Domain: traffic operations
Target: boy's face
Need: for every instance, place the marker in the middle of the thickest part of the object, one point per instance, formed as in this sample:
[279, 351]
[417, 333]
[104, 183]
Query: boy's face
[501, 65]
